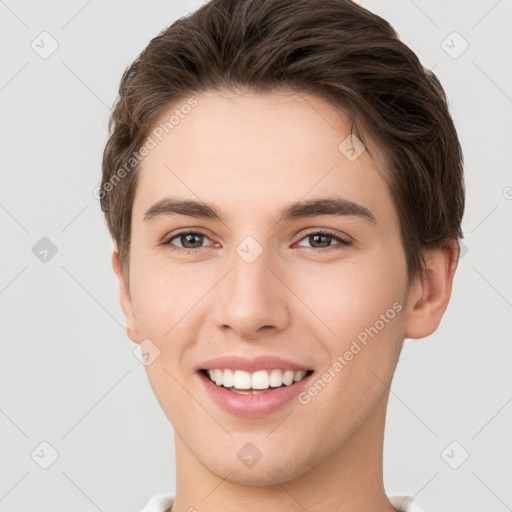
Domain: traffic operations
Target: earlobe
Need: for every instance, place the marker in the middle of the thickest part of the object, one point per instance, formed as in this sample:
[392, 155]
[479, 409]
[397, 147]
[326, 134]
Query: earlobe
[125, 299]
[431, 294]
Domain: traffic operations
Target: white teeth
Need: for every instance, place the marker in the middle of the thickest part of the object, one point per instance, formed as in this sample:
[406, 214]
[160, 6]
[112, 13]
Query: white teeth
[288, 377]
[228, 378]
[259, 380]
[299, 376]
[218, 377]
[262, 379]
[242, 380]
[276, 378]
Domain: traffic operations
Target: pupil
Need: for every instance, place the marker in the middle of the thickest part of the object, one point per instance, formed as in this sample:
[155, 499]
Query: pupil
[190, 238]
[317, 237]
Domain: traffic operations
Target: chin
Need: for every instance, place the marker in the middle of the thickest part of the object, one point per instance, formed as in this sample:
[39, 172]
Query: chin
[263, 474]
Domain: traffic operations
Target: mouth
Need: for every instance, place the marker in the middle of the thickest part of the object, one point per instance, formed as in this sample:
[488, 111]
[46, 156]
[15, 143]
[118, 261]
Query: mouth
[253, 383]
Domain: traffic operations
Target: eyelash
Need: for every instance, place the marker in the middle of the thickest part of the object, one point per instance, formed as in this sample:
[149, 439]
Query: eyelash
[331, 234]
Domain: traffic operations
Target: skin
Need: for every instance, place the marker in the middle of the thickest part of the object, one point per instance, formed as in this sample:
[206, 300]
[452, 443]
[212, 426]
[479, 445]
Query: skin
[251, 155]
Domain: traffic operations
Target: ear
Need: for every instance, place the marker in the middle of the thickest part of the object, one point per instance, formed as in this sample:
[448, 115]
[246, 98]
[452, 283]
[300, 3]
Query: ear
[125, 299]
[431, 293]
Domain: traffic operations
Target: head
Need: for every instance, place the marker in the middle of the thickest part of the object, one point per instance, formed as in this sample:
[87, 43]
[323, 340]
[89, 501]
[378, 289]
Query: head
[257, 111]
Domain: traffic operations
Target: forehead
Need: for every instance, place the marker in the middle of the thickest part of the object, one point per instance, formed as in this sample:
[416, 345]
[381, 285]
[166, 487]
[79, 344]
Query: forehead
[259, 150]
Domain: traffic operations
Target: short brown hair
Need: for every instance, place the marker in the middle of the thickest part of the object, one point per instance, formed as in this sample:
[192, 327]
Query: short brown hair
[334, 49]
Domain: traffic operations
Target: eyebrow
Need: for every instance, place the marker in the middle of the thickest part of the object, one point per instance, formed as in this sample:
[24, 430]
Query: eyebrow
[336, 206]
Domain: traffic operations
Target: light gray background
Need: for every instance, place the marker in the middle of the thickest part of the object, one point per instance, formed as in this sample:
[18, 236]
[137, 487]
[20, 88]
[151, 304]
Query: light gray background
[68, 373]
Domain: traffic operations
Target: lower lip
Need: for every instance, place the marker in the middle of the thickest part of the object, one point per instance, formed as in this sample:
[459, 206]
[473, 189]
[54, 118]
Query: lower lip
[253, 406]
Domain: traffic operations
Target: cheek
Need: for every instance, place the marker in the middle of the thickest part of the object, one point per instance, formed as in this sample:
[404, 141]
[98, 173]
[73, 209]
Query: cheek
[163, 294]
[351, 295]
[363, 307]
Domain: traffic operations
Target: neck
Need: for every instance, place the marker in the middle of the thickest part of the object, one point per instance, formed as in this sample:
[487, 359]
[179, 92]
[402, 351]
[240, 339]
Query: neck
[348, 480]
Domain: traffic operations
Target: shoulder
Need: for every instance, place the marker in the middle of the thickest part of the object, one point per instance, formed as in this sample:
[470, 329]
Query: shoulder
[159, 503]
[405, 504]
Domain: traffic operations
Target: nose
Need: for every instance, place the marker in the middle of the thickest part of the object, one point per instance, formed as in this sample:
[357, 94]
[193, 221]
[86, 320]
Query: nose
[252, 299]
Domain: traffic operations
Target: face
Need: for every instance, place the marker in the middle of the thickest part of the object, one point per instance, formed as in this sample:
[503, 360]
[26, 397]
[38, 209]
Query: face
[323, 287]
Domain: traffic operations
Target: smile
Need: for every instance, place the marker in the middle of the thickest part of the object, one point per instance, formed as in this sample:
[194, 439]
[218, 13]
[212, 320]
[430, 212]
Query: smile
[254, 382]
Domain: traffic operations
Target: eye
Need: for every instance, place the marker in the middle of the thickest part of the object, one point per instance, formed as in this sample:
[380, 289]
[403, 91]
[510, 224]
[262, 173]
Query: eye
[322, 240]
[188, 240]
[191, 241]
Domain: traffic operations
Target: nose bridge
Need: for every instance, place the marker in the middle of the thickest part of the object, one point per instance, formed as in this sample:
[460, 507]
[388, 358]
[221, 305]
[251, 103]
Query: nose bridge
[252, 297]
[251, 274]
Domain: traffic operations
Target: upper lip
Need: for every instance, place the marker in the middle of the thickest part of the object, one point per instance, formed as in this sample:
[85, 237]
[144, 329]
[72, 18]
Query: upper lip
[253, 364]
